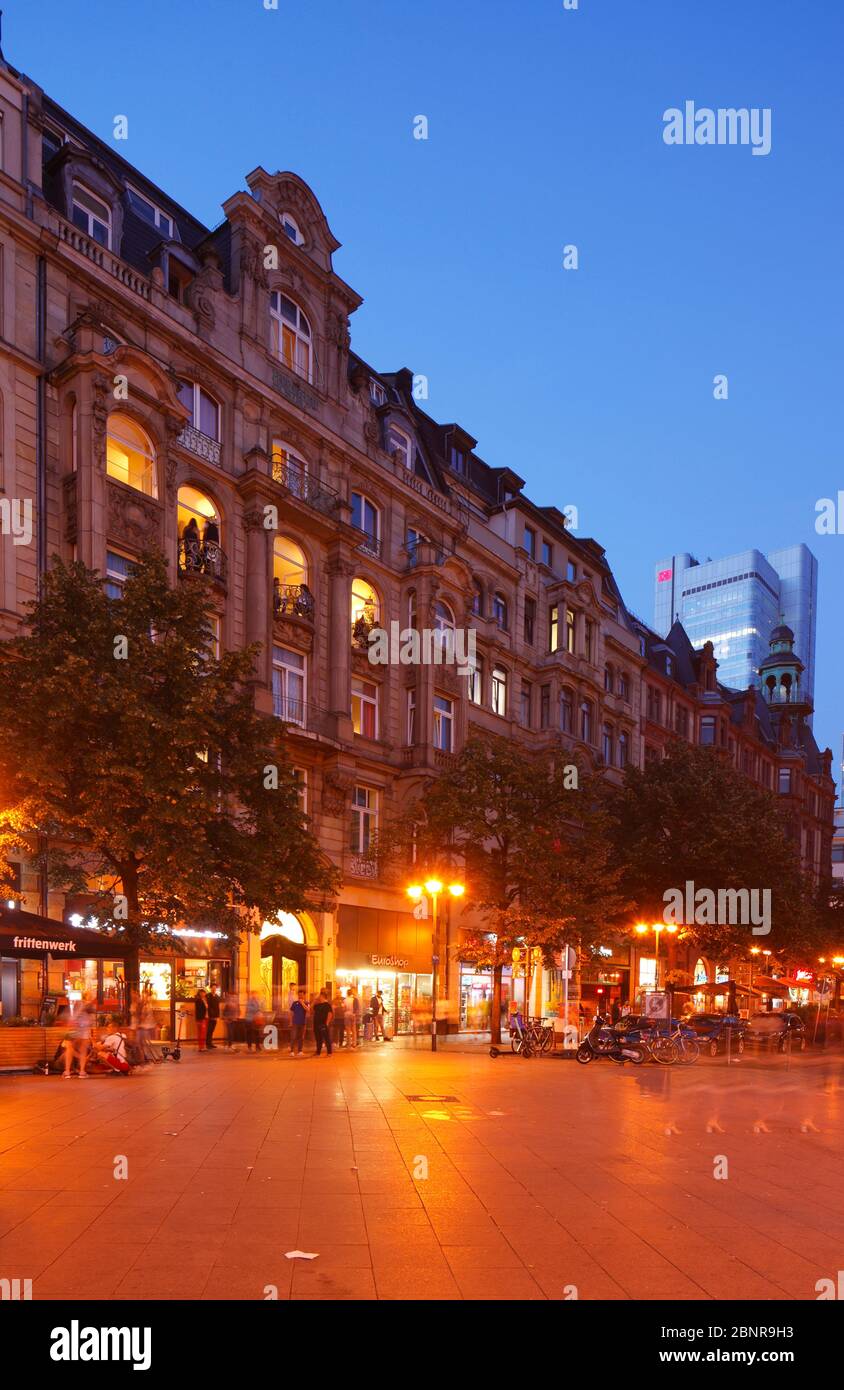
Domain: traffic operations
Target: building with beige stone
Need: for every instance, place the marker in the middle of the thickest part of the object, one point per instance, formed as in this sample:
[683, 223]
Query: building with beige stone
[167, 384]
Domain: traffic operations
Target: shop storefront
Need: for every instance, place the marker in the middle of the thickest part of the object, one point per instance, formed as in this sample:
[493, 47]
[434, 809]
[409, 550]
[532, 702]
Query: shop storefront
[476, 991]
[390, 953]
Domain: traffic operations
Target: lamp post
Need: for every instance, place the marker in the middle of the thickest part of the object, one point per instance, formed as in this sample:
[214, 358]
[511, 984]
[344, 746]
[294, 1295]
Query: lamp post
[657, 927]
[433, 887]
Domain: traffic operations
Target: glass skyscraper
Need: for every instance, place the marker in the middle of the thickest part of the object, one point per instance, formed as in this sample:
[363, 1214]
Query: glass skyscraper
[735, 602]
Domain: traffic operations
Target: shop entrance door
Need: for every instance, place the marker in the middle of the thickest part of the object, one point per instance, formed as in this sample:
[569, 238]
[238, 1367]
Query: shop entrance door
[283, 964]
[9, 989]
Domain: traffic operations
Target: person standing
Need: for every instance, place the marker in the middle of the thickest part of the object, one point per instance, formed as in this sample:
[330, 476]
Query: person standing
[78, 1042]
[298, 1019]
[375, 1015]
[200, 1009]
[339, 1008]
[231, 1014]
[323, 1014]
[382, 1015]
[213, 1004]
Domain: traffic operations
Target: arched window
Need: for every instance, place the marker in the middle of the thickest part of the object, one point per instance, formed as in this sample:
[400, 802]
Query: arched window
[608, 744]
[290, 335]
[411, 608]
[199, 534]
[499, 691]
[499, 611]
[443, 618]
[291, 594]
[366, 611]
[130, 456]
[290, 227]
[366, 517]
[566, 711]
[204, 410]
[586, 720]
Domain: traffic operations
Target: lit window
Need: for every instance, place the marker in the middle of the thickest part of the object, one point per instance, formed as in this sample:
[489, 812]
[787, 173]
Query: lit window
[364, 708]
[204, 410]
[290, 566]
[365, 610]
[570, 628]
[289, 685]
[364, 820]
[198, 523]
[130, 457]
[443, 723]
[553, 627]
[399, 442]
[91, 215]
[290, 335]
[499, 691]
[289, 469]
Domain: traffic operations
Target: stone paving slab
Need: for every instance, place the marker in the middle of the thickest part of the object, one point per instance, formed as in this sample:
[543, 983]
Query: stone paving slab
[538, 1179]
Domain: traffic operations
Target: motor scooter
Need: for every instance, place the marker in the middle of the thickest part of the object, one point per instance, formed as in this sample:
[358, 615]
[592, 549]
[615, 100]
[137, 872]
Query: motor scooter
[613, 1047]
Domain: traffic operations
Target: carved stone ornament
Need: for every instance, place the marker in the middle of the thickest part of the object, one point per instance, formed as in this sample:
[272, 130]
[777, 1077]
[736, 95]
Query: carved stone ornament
[253, 520]
[200, 296]
[335, 791]
[133, 516]
[252, 261]
[99, 420]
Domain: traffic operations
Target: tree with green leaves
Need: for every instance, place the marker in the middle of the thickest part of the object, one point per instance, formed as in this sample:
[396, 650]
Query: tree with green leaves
[527, 829]
[137, 754]
[693, 817]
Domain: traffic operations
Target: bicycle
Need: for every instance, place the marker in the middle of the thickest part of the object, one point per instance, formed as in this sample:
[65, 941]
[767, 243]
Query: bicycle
[531, 1036]
[521, 1041]
[672, 1047]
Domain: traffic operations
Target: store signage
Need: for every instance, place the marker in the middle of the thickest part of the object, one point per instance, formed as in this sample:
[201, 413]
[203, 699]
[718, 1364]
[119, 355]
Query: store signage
[40, 943]
[389, 962]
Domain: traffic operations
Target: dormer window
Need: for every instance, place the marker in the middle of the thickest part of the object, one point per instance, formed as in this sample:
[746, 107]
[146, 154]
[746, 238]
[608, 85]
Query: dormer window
[377, 393]
[290, 334]
[458, 460]
[91, 215]
[290, 227]
[151, 213]
[400, 443]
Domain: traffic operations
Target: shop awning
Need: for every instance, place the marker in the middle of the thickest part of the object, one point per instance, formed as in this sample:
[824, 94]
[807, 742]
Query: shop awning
[27, 934]
[716, 987]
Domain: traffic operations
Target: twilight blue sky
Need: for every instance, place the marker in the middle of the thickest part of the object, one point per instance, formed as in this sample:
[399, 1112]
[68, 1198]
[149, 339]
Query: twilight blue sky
[544, 129]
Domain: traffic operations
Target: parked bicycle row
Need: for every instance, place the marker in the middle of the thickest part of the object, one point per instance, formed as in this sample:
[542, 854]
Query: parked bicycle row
[636, 1038]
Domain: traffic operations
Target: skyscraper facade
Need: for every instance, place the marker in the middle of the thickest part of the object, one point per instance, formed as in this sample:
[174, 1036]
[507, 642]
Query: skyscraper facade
[735, 602]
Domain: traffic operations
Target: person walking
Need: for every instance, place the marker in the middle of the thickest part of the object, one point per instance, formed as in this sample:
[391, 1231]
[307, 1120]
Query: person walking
[352, 1016]
[323, 1014]
[254, 1021]
[298, 1019]
[383, 1017]
[213, 1004]
[338, 1006]
[200, 1009]
[78, 1042]
[231, 1014]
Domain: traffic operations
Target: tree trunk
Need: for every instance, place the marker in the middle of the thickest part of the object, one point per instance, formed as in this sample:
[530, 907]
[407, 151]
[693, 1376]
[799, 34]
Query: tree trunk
[131, 979]
[495, 1021]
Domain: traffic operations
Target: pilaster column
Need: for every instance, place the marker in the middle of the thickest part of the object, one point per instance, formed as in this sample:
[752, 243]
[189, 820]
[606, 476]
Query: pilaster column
[340, 571]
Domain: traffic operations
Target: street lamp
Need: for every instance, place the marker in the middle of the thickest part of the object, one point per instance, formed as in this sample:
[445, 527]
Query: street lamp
[657, 927]
[433, 887]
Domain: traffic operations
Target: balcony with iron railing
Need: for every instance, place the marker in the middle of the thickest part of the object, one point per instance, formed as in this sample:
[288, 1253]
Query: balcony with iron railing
[293, 601]
[202, 445]
[301, 485]
[203, 557]
[370, 544]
